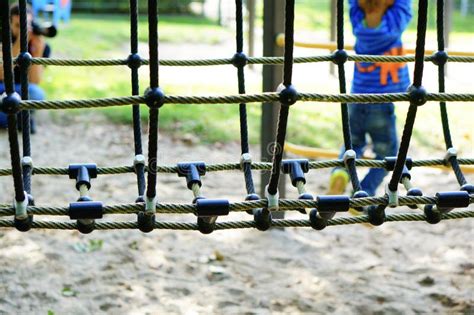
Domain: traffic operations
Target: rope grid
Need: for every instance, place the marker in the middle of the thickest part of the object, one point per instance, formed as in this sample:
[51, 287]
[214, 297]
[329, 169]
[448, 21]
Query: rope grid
[85, 211]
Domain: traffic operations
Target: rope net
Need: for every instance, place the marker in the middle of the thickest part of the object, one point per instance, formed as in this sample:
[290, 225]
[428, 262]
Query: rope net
[319, 209]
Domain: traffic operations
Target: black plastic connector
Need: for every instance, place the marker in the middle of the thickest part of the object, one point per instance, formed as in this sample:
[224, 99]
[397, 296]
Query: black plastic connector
[333, 203]
[440, 58]
[288, 96]
[417, 95]
[252, 197]
[263, 219]
[86, 210]
[154, 97]
[239, 60]
[212, 207]
[415, 192]
[391, 160]
[296, 168]
[10, 103]
[376, 214]
[193, 172]
[83, 173]
[316, 221]
[134, 61]
[146, 222]
[339, 57]
[432, 215]
[452, 199]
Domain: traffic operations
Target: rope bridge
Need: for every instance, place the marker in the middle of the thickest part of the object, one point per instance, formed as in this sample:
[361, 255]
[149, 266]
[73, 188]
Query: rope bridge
[319, 210]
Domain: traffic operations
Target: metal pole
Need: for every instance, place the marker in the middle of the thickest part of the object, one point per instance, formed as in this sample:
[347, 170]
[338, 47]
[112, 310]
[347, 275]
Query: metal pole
[273, 24]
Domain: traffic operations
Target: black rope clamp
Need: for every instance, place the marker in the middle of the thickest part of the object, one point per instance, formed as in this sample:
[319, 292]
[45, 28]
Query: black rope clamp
[417, 95]
[440, 58]
[296, 168]
[154, 97]
[85, 211]
[252, 197]
[212, 207]
[239, 60]
[10, 103]
[22, 220]
[24, 61]
[83, 173]
[333, 203]
[449, 200]
[134, 61]
[414, 192]
[193, 172]
[339, 57]
[390, 162]
[287, 94]
[405, 174]
[468, 187]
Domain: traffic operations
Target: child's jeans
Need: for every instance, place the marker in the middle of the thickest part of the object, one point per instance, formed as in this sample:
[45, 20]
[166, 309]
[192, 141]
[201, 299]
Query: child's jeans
[34, 93]
[377, 121]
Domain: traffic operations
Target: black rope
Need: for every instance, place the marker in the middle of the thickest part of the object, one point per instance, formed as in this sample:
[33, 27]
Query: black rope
[25, 114]
[284, 108]
[137, 129]
[346, 129]
[10, 89]
[244, 138]
[441, 88]
[417, 80]
[154, 81]
[7, 48]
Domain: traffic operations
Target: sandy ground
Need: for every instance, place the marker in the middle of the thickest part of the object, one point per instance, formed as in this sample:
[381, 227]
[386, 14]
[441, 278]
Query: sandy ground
[398, 268]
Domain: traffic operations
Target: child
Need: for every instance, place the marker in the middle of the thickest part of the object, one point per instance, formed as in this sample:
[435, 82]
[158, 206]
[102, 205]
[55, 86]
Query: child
[36, 47]
[378, 26]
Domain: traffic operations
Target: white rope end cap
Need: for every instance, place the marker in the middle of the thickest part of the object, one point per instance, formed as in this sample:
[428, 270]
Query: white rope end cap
[392, 197]
[272, 200]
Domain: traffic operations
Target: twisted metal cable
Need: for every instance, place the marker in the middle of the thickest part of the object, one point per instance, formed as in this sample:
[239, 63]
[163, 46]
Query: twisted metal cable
[284, 204]
[228, 61]
[239, 224]
[243, 98]
[219, 167]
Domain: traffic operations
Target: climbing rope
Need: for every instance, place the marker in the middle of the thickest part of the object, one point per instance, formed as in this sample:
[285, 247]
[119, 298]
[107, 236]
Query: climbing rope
[319, 208]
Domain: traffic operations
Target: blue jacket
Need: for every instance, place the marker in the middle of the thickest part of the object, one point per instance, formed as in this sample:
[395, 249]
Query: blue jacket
[386, 39]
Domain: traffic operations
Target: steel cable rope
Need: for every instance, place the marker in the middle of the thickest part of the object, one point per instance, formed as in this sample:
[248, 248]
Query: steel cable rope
[240, 224]
[228, 61]
[284, 204]
[263, 166]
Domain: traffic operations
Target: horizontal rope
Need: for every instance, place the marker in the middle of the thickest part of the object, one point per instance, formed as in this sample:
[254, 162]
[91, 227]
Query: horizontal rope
[238, 224]
[219, 167]
[284, 204]
[243, 98]
[228, 61]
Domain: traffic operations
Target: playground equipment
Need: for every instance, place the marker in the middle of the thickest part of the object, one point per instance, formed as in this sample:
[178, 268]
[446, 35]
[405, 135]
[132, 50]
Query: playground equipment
[85, 211]
[59, 9]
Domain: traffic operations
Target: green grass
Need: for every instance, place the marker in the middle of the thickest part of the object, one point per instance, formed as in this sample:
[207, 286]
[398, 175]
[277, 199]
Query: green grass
[95, 36]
